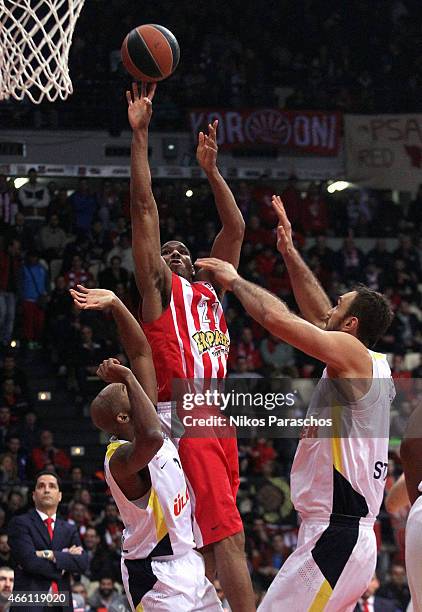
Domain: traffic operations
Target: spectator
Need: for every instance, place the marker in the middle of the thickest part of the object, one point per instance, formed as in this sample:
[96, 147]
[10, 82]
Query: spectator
[7, 427]
[12, 397]
[320, 250]
[8, 205]
[10, 271]
[52, 239]
[79, 516]
[30, 432]
[100, 559]
[371, 601]
[276, 354]
[111, 527]
[39, 565]
[77, 275]
[11, 371]
[8, 469]
[123, 250]
[35, 297]
[7, 579]
[113, 275]
[5, 554]
[247, 348]
[35, 199]
[396, 588]
[350, 261]
[47, 454]
[84, 206]
[105, 596]
[61, 206]
[22, 233]
[79, 590]
[18, 454]
[15, 506]
[314, 216]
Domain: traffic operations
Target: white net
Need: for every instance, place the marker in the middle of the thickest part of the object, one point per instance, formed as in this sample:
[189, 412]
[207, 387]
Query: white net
[35, 39]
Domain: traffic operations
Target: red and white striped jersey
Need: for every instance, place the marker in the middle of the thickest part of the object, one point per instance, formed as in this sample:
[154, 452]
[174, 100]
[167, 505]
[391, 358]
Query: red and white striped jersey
[190, 339]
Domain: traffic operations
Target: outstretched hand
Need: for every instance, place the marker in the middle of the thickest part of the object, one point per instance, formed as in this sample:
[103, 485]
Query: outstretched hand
[206, 152]
[92, 299]
[224, 272]
[140, 106]
[284, 228]
[112, 372]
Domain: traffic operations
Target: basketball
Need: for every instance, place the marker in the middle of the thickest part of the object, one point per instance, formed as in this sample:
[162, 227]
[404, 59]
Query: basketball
[150, 53]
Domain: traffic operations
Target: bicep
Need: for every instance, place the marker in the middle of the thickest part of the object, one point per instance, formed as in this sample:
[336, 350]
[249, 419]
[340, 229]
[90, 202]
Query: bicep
[146, 249]
[132, 457]
[227, 247]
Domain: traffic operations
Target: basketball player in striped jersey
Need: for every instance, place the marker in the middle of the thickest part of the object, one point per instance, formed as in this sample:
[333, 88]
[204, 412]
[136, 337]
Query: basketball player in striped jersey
[183, 321]
[160, 569]
[337, 479]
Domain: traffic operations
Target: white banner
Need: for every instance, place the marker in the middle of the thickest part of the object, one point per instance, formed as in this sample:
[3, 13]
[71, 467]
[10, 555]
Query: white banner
[384, 151]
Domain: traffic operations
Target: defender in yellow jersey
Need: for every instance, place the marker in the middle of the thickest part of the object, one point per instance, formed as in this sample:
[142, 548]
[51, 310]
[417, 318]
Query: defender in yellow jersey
[161, 571]
[337, 482]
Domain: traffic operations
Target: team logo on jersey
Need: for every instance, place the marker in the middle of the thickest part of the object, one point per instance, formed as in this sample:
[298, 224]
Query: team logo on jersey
[180, 502]
[205, 341]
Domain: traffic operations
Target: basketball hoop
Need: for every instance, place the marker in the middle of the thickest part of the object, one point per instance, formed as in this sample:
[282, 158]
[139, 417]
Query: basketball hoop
[35, 39]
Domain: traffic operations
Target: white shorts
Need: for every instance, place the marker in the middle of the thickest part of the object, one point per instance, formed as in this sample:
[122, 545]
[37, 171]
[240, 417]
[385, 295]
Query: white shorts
[330, 569]
[414, 555]
[169, 586]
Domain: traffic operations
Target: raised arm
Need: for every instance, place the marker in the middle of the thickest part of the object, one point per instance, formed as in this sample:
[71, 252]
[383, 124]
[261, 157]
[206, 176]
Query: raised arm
[342, 352]
[132, 457]
[228, 242]
[311, 298]
[130, 332]
[152, 275]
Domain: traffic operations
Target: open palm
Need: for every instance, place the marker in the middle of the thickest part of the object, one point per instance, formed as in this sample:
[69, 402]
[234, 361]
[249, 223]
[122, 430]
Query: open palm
[140, 106]
[92, 299]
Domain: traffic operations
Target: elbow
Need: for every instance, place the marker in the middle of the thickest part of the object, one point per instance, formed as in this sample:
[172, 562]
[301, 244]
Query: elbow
[154, 440]
[237, 232]
[390, 506]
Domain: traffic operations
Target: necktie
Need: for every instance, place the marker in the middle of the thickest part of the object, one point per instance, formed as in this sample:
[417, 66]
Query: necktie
[49, 522]
[365, 607]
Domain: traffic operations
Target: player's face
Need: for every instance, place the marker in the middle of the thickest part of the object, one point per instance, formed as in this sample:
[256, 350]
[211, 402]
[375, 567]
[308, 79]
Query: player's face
[177, 257]
[336, 315]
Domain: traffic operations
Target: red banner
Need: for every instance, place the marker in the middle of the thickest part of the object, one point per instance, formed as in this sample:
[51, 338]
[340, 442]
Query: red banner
[314, 132]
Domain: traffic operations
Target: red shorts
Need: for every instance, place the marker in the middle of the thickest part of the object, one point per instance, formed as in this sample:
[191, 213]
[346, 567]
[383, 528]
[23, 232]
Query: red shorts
[211, 467]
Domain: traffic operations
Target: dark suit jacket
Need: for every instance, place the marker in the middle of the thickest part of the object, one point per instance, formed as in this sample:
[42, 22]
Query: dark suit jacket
[28, 533]
[382, 605]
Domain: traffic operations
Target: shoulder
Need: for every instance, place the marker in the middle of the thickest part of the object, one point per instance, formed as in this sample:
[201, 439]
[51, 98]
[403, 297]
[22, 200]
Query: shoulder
[21, 519]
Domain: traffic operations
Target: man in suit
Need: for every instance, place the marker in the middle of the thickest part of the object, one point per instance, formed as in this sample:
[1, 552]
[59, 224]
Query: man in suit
[369, 602]
[45, 548]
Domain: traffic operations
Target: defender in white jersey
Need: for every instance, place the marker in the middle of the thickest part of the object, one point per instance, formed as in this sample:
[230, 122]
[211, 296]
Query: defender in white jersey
[160, 569]
[337, 482]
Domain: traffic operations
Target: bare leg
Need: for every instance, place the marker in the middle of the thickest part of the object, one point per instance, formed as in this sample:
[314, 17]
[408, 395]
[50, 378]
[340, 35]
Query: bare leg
[208, 553]
[233, 574]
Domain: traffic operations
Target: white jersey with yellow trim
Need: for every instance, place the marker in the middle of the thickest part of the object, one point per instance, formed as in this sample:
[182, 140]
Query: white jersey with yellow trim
[342, 470]
[158, 525]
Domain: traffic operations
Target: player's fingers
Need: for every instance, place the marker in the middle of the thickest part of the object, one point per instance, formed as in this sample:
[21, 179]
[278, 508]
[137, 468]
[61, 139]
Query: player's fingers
[82, 289]
[152, 90]
[129, 97]
[135, 91]
[143, 90]
[201, 138]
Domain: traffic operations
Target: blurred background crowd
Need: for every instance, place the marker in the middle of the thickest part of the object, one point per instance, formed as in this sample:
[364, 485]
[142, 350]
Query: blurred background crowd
[54, 237]
[308, 54]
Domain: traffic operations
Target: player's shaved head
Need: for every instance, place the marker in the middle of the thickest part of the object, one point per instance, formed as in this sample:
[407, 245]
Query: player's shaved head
[109, 407]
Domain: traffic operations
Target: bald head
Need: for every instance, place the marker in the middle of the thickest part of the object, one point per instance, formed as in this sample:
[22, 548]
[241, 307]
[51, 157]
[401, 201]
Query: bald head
[109, 407]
